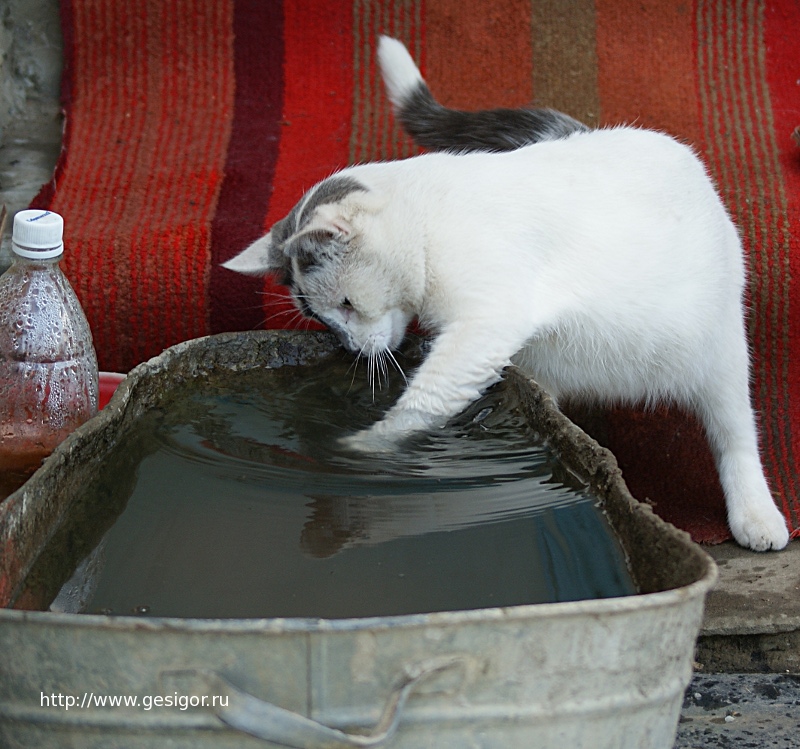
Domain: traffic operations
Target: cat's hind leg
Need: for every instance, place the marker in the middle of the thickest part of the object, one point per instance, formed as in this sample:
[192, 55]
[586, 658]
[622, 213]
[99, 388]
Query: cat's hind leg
[723, 405]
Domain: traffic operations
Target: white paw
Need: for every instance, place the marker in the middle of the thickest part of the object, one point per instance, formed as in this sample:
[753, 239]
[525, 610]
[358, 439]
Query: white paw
[383, 436]
[368, 441]
[760, 528]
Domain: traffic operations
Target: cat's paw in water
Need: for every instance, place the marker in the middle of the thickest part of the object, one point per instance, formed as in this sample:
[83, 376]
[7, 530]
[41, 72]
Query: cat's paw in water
[760, 528]
[368, 441]
[385, 436]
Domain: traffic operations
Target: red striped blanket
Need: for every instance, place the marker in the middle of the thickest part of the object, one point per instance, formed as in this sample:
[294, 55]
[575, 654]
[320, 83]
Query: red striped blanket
[191, 126]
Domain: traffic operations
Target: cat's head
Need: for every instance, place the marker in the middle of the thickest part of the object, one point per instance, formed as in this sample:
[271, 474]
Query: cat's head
[328, 252]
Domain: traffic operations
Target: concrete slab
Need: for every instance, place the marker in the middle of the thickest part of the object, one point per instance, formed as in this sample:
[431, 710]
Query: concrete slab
[756, 594]
[752, 620]
[751, 624]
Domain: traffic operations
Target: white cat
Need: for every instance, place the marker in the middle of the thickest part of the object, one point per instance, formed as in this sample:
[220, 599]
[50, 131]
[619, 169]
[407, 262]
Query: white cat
[602, 263]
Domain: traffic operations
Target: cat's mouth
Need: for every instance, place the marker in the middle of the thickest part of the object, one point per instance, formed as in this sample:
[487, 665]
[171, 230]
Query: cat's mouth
[376, 340]
[374, 345]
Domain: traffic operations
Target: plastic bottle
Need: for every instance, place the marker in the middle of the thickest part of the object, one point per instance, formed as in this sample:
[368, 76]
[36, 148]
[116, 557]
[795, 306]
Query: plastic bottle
[48, 366]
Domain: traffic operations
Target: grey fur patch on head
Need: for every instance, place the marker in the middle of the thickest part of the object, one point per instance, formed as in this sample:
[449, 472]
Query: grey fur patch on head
[441, 129]
[312, 248]
[331, 190]
[288, 239]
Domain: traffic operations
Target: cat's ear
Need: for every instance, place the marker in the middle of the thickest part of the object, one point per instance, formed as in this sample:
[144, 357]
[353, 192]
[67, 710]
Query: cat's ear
[258, 259]
[310, 247]
[332, 219]
[322, 238]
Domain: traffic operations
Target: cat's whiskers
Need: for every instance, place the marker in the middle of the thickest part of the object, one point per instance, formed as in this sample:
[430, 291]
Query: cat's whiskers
[251, 306]
[293, 316]
[373, 371]
[292, 313]
[378, 362]
[370, 367]
[354, 367]
[275, 294]
[393, 360]
[382, 371]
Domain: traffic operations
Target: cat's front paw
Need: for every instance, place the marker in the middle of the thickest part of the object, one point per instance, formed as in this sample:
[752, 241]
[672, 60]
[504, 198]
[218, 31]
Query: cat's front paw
[760, 528]
[384, 436]
[368, 441]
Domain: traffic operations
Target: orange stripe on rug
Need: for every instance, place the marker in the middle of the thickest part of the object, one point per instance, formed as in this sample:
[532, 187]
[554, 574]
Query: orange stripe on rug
[375, 134]
[645, 58]
[565, 58]
[478, 54]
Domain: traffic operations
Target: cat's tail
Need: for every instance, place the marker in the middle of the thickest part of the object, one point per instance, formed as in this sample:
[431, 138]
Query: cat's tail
[441, 129]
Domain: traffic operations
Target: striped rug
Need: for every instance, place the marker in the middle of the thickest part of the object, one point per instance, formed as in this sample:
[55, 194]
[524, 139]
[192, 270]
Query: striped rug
[192, 125]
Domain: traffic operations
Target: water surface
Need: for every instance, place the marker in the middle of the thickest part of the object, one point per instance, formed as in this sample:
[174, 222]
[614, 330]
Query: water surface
[239, 502]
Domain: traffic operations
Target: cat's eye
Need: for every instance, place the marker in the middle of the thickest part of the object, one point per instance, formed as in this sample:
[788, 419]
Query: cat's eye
[346, 304]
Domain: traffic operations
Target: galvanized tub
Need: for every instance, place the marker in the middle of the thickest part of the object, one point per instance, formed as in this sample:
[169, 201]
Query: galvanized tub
[597, 674]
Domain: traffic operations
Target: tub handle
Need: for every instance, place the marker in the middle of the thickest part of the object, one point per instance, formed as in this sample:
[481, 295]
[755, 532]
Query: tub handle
[266, 721]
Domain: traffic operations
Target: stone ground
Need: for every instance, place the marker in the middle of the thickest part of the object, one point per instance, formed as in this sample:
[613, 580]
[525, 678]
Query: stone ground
[751, 624]
[741, 711]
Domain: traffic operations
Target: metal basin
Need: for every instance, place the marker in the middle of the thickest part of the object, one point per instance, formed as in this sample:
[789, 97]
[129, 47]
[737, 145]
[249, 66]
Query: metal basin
[604, 673]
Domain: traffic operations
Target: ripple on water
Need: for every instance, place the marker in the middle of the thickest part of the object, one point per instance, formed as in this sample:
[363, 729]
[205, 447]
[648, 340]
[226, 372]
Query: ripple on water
[239, 503]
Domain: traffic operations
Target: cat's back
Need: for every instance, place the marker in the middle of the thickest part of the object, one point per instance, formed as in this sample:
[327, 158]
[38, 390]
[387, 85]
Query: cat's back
[614, 162]
[612, 153]
[618, 179]
[614, 188]
[623, 140]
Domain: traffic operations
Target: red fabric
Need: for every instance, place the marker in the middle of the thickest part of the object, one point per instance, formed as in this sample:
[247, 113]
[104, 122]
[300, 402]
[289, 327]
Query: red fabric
[782, 65]
[192, 126]
[315, 122]
[148, 101]
[250, 162]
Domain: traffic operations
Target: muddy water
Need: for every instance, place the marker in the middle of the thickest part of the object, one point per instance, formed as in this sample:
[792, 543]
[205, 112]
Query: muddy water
[238, 502]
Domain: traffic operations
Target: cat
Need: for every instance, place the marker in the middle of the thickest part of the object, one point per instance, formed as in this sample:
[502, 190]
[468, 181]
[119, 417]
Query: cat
[601, 262]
